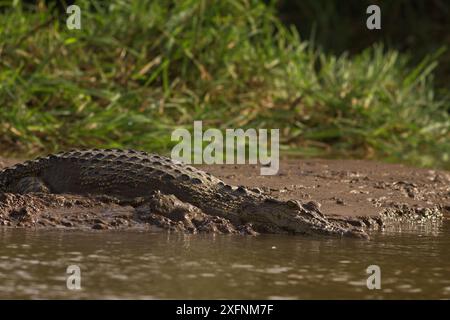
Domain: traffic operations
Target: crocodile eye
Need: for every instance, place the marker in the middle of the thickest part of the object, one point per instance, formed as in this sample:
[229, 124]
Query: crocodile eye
[293, 204]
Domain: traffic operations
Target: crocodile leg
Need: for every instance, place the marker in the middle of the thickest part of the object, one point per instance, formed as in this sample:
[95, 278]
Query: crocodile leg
[167, 211]
[30, 185]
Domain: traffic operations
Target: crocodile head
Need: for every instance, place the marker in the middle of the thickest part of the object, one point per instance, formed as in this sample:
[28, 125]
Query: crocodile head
[292, 216]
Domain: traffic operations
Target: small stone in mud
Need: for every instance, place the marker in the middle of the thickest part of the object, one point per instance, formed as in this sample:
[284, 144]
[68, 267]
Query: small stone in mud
[338, 200]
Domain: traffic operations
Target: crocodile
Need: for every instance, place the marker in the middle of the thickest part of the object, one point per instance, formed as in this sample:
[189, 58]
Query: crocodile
[131, 176]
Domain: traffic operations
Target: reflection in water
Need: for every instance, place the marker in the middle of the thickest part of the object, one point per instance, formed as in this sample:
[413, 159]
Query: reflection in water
[161, 265]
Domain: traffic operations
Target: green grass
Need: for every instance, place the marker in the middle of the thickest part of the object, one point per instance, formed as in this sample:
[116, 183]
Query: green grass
[139, 69]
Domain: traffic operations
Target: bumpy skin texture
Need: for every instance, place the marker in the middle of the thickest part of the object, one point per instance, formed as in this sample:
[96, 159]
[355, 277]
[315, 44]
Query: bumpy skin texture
[129, 175]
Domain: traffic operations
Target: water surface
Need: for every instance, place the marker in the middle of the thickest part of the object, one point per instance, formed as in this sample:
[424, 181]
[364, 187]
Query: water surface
[158, 265]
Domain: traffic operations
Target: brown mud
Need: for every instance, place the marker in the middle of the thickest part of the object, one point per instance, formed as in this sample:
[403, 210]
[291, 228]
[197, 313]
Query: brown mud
[350, 192]
[358, 192]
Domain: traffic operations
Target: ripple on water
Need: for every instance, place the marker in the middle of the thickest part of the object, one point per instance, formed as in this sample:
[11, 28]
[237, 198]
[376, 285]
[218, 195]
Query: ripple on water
[157, 265]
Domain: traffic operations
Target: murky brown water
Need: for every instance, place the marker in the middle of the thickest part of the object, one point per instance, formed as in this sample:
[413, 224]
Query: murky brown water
[160, 265]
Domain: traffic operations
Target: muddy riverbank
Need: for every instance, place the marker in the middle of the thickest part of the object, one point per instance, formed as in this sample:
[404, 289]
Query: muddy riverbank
[350, 192]
[350, 189]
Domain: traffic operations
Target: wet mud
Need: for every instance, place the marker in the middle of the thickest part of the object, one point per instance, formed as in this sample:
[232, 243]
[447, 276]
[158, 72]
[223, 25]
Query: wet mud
[365, 194]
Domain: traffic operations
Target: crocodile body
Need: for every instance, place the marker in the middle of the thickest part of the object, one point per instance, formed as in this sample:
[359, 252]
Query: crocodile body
[128, 175]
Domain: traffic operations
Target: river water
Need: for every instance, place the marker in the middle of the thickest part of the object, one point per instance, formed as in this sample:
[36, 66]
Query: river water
[158, 265]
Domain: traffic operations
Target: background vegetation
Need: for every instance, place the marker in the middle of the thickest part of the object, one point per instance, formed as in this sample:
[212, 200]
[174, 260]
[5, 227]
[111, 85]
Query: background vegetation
[139, 69]
[415, 27]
